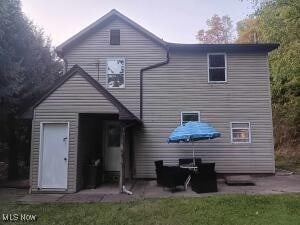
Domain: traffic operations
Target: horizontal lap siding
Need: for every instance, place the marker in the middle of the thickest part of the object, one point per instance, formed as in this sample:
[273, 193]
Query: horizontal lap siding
[137, 50]
[75, 96]
[182, 86]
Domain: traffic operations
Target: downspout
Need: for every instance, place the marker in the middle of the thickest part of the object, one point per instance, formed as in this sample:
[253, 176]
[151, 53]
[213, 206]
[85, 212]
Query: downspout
[142, 76]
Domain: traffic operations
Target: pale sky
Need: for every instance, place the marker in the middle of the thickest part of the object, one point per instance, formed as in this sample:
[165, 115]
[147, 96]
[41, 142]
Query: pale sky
[172, 20]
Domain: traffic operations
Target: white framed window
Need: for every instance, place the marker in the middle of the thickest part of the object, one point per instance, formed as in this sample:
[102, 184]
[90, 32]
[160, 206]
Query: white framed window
[240, 132]
[115, 73]
[190, 116]
[217, 67]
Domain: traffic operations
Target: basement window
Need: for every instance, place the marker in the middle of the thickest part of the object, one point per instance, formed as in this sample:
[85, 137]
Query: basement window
[190, 116]
[115, 73]
[115, 37]
[240, 132]
[217, 71]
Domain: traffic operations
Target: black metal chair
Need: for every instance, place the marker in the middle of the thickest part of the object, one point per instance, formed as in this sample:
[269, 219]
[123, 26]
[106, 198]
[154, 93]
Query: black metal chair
[205, 179]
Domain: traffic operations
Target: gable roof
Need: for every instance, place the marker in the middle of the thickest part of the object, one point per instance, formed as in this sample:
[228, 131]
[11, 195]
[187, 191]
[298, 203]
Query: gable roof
[124, 113]
[261, 47]
[102, 22]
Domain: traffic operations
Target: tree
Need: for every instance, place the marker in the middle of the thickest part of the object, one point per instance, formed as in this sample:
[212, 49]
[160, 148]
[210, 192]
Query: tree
[248, 31]
[28, 68]
[219, 32]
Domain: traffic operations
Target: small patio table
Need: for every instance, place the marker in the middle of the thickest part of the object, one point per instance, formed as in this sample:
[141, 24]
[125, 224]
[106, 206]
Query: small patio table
[191, 167]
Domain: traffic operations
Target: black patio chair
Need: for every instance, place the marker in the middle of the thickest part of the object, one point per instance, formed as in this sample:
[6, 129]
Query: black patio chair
[189, 160]
[170, 176]
[205, 179]
[173, 176]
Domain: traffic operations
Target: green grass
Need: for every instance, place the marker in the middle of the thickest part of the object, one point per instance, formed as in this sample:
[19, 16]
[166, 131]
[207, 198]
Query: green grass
[220, 210]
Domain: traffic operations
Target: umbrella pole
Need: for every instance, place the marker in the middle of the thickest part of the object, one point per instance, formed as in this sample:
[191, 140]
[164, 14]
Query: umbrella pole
[194, 163]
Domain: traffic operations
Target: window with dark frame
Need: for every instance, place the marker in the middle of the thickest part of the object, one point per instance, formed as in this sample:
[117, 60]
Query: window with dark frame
[217, 67]
[189, 116]
[115, 37]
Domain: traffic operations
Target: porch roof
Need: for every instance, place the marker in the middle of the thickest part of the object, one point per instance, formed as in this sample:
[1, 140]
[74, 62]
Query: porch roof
[124, 113]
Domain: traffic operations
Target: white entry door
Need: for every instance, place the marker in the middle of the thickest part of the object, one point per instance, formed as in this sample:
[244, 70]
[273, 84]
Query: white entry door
[113, 147]
[54, 155]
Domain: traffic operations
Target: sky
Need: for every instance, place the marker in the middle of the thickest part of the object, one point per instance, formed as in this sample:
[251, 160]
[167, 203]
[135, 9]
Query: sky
[173, 20]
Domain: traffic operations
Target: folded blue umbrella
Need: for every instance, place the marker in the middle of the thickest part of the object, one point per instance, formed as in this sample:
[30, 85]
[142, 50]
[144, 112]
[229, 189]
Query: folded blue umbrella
[193, 131]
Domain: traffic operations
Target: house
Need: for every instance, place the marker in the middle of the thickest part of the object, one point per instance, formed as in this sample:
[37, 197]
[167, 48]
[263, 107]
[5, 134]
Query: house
[125, 90]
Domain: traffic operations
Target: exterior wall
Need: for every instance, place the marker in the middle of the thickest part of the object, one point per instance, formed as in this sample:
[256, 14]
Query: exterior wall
[75, 96]
[137, 50]
[182, 85]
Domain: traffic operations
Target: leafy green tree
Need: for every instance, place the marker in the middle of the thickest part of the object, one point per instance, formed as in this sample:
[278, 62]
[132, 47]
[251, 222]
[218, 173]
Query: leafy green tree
[28, 68]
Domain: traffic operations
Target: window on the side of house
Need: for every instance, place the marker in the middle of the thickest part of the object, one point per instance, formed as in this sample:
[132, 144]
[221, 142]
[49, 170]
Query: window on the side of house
[240, 132]
[115, 73]
[217, 68]
[190, 116]
[115, 37]
[114, 135]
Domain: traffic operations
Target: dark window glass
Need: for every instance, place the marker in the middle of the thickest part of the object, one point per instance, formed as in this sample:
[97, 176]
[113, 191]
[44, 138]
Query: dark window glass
[216, 60]
[114, 37]
[114, 136]
[186, 117]
[217, 74]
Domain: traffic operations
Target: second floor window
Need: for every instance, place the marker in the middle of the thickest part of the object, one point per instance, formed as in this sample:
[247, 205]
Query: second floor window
[115, 73]
[217, 71]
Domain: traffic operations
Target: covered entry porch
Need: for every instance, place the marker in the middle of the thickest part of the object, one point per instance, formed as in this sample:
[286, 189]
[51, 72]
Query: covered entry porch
[105, 151]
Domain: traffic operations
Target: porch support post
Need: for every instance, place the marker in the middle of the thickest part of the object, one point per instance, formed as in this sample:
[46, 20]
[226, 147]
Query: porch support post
[123, 149]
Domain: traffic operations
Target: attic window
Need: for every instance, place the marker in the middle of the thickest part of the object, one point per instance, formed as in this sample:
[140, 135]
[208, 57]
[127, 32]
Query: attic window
[115, 37]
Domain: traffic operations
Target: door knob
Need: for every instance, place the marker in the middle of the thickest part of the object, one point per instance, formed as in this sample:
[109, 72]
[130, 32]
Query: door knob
[64, 139]
[65, 159]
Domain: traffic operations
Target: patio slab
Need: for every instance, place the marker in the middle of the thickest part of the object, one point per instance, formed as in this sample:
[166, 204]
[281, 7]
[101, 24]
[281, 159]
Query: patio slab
[81, 197]
[40, 198]
[143, 189]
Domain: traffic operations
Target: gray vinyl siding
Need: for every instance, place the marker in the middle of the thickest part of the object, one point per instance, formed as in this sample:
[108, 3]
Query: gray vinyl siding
[75, 96]
[182, 85]
[137, 50]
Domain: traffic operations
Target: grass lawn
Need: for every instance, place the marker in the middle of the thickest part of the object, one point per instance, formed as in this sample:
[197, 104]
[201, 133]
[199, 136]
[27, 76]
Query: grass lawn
[226, 209]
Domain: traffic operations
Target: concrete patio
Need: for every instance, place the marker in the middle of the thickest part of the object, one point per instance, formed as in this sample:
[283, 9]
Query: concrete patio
[143, 189]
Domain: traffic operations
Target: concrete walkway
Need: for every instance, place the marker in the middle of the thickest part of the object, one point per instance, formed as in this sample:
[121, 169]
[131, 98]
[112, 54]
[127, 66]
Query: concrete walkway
[143, 189]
